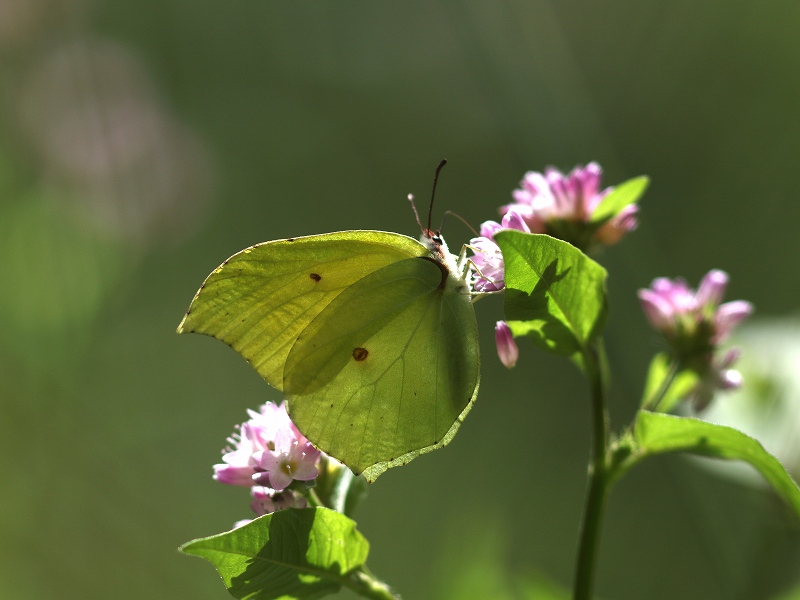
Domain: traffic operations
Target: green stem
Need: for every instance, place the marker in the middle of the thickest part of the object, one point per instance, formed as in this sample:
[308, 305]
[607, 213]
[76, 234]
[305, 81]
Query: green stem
[311, 496]
[654, 400]
[598, 480]
[365, 584]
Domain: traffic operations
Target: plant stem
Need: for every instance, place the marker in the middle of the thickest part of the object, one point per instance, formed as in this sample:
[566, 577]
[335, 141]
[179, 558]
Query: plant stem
[598, 481]
[364, 583]
[653, 402]
[310, 495]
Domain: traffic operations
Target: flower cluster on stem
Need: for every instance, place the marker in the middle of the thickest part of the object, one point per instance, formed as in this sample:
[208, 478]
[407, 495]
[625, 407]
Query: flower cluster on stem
[487, 260]
[563, 206]
[694, 323]
[267, 453]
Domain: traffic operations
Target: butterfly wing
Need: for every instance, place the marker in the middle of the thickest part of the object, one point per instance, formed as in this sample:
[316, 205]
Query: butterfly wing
[388, 370]
[260, 299]
[372, 343]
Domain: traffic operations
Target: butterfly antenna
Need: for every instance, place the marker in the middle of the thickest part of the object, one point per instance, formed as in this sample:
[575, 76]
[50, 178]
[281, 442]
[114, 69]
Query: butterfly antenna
[460, 218]
[414, 208]
[433, 193]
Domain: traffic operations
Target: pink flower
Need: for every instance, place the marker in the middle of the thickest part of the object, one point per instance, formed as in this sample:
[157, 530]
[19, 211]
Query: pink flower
[694, 322]
[719, 376]
[269, 450]
[563, 205]
[266, 501]
[506, 346]
[239, 466]
[624, 222]
[728, 316]
[291, 457]
[487, 259]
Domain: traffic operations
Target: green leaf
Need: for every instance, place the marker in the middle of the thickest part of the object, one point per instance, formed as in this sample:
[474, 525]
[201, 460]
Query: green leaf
[667, 383]
[657, 433]
[621, 196]
[554, 292]
[289, 554]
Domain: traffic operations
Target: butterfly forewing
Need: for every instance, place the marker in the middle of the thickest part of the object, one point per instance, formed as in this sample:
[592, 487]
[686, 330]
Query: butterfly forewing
[262, 298]
[338, 334]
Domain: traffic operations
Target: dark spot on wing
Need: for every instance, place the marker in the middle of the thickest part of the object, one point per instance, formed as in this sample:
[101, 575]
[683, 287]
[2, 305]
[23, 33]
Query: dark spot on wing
[360, 354]
[315, 276]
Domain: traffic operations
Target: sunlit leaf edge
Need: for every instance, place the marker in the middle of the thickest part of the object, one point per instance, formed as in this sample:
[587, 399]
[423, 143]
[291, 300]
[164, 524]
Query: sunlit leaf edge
[656, 433]
[509, 242]
[231, 556]
[624, 194]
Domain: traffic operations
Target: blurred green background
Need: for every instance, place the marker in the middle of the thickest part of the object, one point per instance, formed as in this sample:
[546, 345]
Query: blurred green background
[141, 143]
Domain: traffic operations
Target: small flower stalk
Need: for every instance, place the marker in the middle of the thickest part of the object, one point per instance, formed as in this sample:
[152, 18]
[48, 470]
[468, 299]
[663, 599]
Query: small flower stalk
[694, 323]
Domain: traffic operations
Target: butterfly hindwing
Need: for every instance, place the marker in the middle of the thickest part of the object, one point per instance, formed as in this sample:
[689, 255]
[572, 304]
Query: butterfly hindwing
[388, 369]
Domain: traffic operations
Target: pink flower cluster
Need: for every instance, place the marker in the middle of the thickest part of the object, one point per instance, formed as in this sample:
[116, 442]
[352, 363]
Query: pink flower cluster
[553, 203]
[693, 320]
[267, 454]
[488, 266]
[556, 204]
[266, 500]
[695, 323]
[719, 376]
[563, 205]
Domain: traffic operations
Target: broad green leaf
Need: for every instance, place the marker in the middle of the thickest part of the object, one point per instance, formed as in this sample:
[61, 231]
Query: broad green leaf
[667, 383]
[621, 196]
[290, 554]
[371, 336]
[554, 292]
[657, 433]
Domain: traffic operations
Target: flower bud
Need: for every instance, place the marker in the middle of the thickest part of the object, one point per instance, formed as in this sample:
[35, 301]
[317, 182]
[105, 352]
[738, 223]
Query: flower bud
[506, 346]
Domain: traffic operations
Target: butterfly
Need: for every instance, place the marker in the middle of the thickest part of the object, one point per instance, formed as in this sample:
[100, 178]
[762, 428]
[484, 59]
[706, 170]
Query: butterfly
[371, 336]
